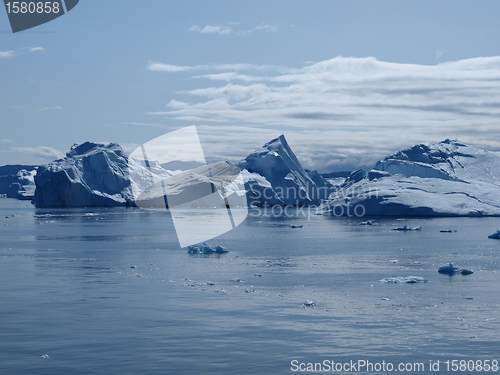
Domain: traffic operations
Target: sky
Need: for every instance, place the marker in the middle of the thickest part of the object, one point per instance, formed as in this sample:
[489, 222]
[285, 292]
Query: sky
[347, 82]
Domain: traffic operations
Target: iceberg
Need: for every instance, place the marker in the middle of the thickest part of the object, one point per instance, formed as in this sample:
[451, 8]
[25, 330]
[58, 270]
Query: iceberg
[309, 303]
[495, 236]
[286, 182]
[91, 174]
[443, 179]
[17, 181]
[451, 270]
[405, 228]
[367, 222]
[404, 279]
[204, 248]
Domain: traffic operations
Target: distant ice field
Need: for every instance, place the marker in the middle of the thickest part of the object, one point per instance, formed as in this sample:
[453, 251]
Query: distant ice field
[109, 291]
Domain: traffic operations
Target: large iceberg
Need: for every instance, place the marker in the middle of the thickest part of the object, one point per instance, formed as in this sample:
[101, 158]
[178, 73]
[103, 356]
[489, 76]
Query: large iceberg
[91, 174]
[274, 175]
[17, 181]
[444, 179]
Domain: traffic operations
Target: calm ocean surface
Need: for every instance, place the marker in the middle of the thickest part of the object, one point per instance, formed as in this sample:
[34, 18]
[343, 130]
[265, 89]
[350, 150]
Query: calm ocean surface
[108, 291]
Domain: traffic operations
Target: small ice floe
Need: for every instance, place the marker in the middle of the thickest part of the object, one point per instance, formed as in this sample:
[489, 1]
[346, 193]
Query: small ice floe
[367, 222]
[309, 303]
[406, 228]
[447, 231]
[206, 249]
[393, 260]
[295, 226]
[237, 280]
[45, 356]
[450, 269]
[405, 279]
[495, 236]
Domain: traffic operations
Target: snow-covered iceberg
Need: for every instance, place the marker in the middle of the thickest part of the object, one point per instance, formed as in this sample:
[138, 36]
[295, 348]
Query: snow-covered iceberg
[91, 174]
[275, 176]
[444, 179]
[17, 181]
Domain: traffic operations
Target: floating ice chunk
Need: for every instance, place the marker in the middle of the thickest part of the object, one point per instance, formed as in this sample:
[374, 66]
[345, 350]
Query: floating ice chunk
[406, 228]
[449, 269]
[495, 236]
[309, 303]
[452, 270]
[404, 279]
[295, 226]
[45, 356]
[220, 249]
[205, 248]
[367, 222]
[447, 231]
[193, 249]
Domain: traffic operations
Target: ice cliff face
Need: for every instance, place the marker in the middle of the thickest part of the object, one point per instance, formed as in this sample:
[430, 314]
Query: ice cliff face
[275, 176]
[90, 175]
[18, 182]
[444, 179]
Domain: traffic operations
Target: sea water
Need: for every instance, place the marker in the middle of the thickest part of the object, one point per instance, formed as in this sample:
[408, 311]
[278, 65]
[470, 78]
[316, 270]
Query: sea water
[109, 291]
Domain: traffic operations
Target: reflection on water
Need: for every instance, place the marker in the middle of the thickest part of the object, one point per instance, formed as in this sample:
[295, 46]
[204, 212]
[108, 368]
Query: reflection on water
[107, 290]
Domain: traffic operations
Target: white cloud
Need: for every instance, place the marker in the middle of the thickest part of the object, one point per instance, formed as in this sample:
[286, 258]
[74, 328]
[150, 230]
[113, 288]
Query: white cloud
[159, 67]
[12, 54]
[208, 29]
[5, 140]
[7, 54]
[346, 111]
[43, 152]
[228, 30]
[269, 28]
[169, 68]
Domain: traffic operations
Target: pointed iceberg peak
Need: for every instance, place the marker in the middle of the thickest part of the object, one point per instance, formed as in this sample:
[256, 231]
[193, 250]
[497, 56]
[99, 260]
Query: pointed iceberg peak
[278, 164]
[276, 142]
[277, 151]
